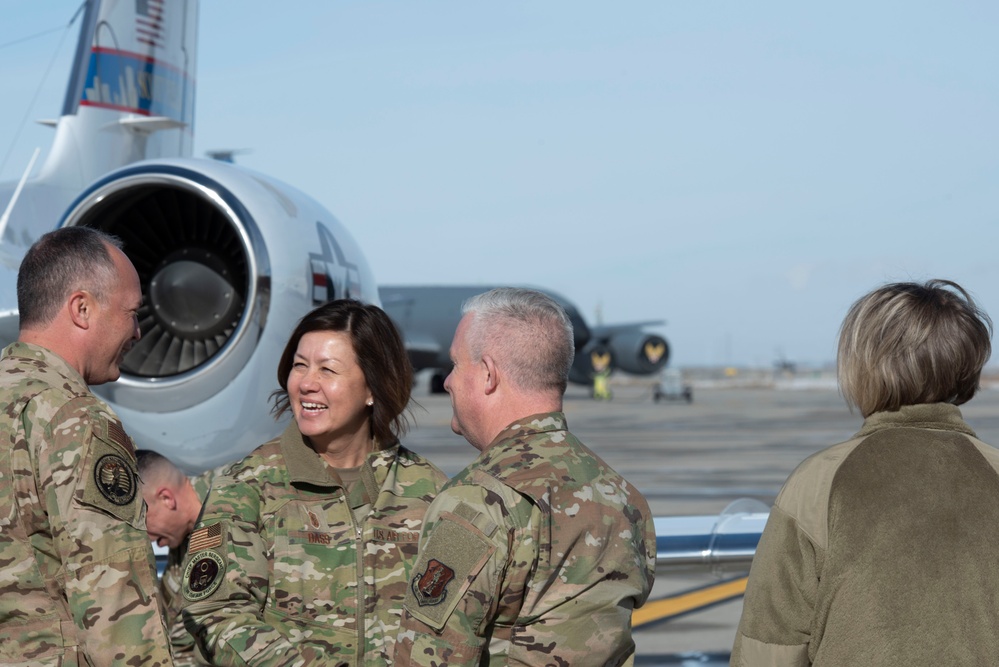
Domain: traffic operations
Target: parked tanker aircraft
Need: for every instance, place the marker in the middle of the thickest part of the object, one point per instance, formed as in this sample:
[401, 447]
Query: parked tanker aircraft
[229, 259]
[427, 316]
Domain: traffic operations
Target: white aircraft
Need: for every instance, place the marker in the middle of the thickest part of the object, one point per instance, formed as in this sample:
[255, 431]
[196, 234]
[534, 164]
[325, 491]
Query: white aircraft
[229, 259]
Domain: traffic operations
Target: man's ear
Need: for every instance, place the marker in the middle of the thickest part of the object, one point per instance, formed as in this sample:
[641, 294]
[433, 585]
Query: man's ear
[81, 304]
[167, 497]
[492, 377]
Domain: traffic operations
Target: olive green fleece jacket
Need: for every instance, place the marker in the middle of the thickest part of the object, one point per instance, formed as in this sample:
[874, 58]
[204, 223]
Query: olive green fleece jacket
[883, 550]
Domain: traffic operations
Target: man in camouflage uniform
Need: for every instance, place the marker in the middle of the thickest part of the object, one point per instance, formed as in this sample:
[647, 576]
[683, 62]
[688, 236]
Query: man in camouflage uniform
[173, 505]
[536, 553]
[76, 567]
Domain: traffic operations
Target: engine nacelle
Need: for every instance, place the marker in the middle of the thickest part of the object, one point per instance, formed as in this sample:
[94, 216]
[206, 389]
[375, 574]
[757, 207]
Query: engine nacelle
[593, 358]
[639, 352]
[229, 260]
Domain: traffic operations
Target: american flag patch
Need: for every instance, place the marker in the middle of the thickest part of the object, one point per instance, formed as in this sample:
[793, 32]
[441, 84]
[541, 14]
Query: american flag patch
[117, 435]
[208, 537]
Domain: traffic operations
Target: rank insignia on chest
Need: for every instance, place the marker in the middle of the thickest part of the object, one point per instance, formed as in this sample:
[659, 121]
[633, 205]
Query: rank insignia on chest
[115, 479]
[430, 587]
[203, 575]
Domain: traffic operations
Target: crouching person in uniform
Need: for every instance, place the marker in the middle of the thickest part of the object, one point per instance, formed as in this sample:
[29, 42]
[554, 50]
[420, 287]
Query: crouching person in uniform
[76, 569]
[173, 505]
[537, 552]
[306, 546]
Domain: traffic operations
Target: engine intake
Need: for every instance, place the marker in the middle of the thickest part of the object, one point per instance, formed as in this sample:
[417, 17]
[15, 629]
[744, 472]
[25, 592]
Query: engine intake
[192, 244]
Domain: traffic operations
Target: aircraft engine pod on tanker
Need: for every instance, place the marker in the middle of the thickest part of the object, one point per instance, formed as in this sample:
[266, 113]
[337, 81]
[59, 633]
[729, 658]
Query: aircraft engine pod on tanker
[638, 352]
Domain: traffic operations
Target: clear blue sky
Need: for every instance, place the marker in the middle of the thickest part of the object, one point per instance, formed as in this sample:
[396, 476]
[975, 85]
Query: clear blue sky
[741, 170]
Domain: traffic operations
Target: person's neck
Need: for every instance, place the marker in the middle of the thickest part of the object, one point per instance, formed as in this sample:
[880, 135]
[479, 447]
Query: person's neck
[191, 502]
[56, 343]
[347, 452]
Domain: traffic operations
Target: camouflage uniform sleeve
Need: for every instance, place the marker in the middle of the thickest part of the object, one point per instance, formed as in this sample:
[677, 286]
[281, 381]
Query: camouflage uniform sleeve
[185, 653]
[478, 545]
[225, 583]
[86, 472]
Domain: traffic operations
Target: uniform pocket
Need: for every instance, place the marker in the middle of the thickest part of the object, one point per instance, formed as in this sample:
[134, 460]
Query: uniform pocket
[42, 639]
[314, 567]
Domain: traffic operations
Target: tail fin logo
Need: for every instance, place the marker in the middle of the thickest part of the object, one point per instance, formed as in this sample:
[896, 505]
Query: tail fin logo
[137, 84]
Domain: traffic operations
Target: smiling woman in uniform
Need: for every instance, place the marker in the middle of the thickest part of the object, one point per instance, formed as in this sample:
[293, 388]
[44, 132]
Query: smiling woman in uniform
[305, 548]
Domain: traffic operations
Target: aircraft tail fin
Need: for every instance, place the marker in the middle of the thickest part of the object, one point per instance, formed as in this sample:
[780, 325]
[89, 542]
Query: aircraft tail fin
[131, 90]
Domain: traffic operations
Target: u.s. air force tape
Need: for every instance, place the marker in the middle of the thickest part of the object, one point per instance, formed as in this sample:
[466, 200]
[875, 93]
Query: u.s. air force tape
[203, 575]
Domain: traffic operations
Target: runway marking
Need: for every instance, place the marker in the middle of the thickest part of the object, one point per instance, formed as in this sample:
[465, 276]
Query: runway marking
[683, 603]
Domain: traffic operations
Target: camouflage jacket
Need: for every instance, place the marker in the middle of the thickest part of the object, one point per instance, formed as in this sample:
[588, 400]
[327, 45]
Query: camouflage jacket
[77, 574]
[185, 653]
[535, 554]
[286, 568]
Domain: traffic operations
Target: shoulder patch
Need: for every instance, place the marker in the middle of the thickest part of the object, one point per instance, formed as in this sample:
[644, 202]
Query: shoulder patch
[110, 483]
[115, 479]
[116, 434]
[430, 587]
[203, 575]
[208, 537]
[451, 559]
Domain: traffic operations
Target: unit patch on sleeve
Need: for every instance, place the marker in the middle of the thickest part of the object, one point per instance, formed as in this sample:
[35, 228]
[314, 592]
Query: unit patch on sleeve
[115, 479]
[430, 587]
[203, 575]
[452, 558]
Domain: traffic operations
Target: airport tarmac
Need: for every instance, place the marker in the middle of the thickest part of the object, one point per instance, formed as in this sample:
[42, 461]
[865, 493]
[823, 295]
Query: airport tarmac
[731, 442]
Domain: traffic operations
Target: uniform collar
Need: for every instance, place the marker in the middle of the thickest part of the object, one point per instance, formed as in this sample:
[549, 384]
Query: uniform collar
[939, 416]
[307, 467]
[32, 352]
[544, 422]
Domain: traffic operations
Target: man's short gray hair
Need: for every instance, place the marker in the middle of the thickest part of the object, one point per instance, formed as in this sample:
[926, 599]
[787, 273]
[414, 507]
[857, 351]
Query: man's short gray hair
[59, 263]
[528, 334]
[154, 468]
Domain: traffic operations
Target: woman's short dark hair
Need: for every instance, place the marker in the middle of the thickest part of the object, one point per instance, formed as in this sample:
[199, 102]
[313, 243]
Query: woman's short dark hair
[909, 343]
[380, 354]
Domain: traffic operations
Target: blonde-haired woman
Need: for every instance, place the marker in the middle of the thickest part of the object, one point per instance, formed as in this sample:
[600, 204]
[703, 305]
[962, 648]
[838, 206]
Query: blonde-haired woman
[884, 550]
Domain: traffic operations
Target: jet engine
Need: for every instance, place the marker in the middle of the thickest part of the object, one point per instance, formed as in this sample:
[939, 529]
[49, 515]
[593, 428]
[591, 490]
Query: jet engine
[593, 358]
[229, 260]
[638, 352]
[622, 347]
